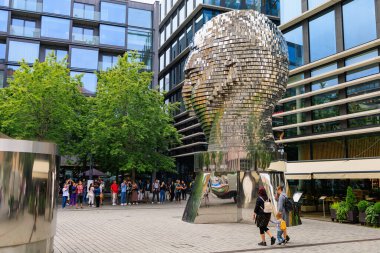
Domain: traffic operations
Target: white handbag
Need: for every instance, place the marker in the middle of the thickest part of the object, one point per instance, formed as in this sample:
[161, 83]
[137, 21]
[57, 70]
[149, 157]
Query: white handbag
[268, 207]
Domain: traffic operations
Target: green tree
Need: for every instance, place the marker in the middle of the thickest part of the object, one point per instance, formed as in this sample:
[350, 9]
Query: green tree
[131, 126]
[42, 102]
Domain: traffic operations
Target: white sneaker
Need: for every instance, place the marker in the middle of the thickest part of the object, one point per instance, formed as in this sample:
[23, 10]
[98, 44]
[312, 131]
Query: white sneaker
[114, 204]
[152, 202]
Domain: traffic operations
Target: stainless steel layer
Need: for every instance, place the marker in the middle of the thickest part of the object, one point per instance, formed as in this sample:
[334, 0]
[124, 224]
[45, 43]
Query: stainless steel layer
[28, 193]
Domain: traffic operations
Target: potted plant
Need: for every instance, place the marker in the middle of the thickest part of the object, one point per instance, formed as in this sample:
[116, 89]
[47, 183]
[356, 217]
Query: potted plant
[362, 206]
[341, 212]
[333, 209]
[372, 214]
[352, 210]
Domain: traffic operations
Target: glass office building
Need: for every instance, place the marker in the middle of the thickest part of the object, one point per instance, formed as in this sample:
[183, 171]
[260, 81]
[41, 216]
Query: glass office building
[91, 33]
[179, 21]
[329, 120]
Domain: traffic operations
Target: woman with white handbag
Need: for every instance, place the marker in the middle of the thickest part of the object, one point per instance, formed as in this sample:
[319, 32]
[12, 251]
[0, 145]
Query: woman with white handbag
[262, 214]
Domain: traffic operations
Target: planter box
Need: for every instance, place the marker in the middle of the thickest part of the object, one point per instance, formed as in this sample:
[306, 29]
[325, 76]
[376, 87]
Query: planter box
[333, 214]
[353, 216]
[362, 218]
[308, 209]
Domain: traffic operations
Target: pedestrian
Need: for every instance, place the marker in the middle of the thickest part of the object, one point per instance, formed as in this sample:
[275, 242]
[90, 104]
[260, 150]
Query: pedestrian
[114, 191]
[280, 228]
[73, 195]
[178, 190]
[135, 195]
[97, 193]
[282, 199]
[184, 189]
[162, 192]
[129, 192]
[147, 189]
[80, 191]
[101, 188]
[262, 216]
[91, 195]
[156, 190]
[65, 194]
[123, 194]
[141, 190]
[172, 191]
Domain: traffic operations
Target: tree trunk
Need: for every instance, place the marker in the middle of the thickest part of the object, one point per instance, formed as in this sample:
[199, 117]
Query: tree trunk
[133, 174]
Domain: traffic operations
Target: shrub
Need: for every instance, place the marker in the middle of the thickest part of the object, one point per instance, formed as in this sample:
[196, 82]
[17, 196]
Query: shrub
[376, 208]
[371, 215]
[350, 199]
[334, 206]
[341, 212]
[362, 205]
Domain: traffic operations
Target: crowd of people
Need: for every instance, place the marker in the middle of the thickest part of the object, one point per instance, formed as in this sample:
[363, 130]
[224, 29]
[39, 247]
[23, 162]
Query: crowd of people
[129, 192]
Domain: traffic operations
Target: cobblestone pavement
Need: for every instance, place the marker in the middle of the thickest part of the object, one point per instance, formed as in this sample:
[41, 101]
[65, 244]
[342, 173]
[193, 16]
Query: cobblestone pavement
[158, 228]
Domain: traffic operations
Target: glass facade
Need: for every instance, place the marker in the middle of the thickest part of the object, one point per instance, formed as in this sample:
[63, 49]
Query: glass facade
[140, 18]
[3, 48]
[324, 83]
[55, 28]
[322, 36]
[85, 11]
[373, 120]
[84, 58]
[4, 3]
[364, 105]
[61, 7]
[325, 113]
[326, 127]
[60, 54]
[1, 78]
[363, 88]
[22, 27]
[364, 71]
[89, 81]
[325, 98]
[112, 35]
[311, 4]
[139, 39]
[3, 21]
[108, 61]
[112, 12]
[294, 40]
[85, 35]
[290, 9]
[19, 51]
[362, 28]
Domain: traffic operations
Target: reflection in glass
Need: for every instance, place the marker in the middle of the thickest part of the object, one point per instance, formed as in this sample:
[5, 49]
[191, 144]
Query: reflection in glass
[291, 92]
[3, 21]
[322, 36]
[3, 47]
[371, 120]
[362, 28]
[141, 18]
[85, 35]
[324, 98]
[325, 113]
[326, 127]
[23, 50]
[108, 62]
[253, 4]
[112, 35]
[295, 47]
[364, 105]
[4, 3]
[174, 22]
[364, 71]
[60, 54]
[25, 28]
[311, 4]
[327, 82]
[363, 88]
[28, 5]
[1, 79]
[86, 11]
[139, 39]
[89, 81]
[58, 7]
[84, 58]
[290, 9]
[113, 12]
[272, 7]
[55, 28]
[145, 58]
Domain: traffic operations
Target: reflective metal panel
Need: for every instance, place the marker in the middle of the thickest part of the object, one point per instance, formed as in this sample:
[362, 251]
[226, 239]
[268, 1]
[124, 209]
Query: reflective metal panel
[28, 193]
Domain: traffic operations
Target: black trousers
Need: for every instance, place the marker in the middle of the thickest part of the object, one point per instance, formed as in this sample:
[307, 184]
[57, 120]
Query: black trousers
[97, 201]
[156, 193]
[184, 194]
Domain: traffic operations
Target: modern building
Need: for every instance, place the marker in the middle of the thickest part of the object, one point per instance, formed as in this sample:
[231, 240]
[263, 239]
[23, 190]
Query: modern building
[329, 120]
[91, 32]
[180, 20]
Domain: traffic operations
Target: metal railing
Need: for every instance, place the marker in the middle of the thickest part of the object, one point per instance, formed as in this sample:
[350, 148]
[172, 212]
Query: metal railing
[25, 31]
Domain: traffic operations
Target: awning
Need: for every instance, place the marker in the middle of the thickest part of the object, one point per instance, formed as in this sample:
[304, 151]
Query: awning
[334, 169]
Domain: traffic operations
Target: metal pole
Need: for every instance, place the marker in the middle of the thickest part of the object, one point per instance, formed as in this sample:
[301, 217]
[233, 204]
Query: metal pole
[323, 206]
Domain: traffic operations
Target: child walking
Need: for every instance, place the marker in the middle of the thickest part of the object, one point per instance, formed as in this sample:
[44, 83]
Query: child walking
[280, 227]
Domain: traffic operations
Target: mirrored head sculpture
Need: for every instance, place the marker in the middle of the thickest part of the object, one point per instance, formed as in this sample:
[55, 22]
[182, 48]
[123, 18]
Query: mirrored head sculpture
[235, 74]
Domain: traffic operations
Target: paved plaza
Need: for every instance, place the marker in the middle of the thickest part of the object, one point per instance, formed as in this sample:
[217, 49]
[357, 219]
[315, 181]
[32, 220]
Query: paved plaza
[158, 228]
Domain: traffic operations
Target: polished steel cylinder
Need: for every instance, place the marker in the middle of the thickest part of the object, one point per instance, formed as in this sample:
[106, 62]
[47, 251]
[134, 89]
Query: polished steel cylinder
[28, 195]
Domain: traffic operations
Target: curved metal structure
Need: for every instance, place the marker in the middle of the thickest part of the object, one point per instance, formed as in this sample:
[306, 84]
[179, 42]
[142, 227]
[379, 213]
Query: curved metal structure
[28, 195]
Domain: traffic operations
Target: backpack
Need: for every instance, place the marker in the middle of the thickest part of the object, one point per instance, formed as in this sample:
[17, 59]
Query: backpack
[268, 207]
[288, 205]
[283, 225]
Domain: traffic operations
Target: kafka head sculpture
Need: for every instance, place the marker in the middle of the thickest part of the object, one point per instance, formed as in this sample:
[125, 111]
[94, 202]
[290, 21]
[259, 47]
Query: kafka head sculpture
[235, 74]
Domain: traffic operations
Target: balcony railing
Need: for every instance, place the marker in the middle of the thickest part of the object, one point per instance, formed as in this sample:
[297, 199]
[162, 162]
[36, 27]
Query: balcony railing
[85, 14]
[25, 31]
[27, 5]
[86, 39]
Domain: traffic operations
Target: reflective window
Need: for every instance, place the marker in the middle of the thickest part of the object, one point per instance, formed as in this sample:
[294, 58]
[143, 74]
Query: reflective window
[162, 10]
[363, 88]
[322, 36]
[162, 37]
[55, 28]
[253, 4]
[182, 14]
[60, 54]
[168, 30]
[324, 98]
[189, 6]
[145, 58]
[59, 7]
[361, 28]
[167, 57]
[23, 50]
[3, 47]
[199, 22]
[364, 105]
[84, 58]
[209, 14]
[290, 9]
[294, 118]
[325, 113]
[271, 7]
[1, 79]
[23, 27]
[10, 71]
[364, 71]
[108, 61]
[189, 35]
[212, 2]
[290, 132]
[167, 82]
[162, 61]
[175, 22]
[3, 21]
[85, 35]
[324, 83]
[233, 4]
[311, 4]
[295, 47]
[294, 105]
[29, 5]
[182, 42]
[113, 12]
[139, 39]
[86, 11]
[141, 18]
[174, 50]
[112, 35]
[161, 85]
[89, 81]
[326, 127]
[291, 92]
[4, 2]
[364, 121]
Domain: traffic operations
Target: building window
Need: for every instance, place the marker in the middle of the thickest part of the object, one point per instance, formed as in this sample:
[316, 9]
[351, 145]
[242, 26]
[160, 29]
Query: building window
[86, 35]
[23, 50]
[327, 82]
[112, 35]
[167, 82]
[84, 58]
[295, 118]
[1, 79]
[85, 11]
[290, 9]
[60, 54]
[325, 113]
[253, 4]
[113, 12]
[182, 14]
[167, 57]
[363, 88]
[182, 42]
[291, 92]
[322, 36]
[162, 62]
[294, 41]
[290, 132]
[139, 39]
[359, 22]
[212, 2]
[162, 37]
[174, 50]
[145, 58]
[326, 127]
[324, 98]
[175, 22]
[89, 81]
[311, 4]
[367, 145]
[108, 62]
[364, 71]
[372, 120]
[294, 105]
[29, 5]
[189, 6]
[58, 7]
[55, 28]
[4, 3]
[199, 22]
[25, 28]
[364, 105]
[3, 21]
[3, 47]
[168, 30]
[189, 35]
[329, 149]
[140, 18]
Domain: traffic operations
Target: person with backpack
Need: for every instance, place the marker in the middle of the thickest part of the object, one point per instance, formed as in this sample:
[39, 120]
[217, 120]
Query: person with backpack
[97, 193]
[262, 214]
[285, 205]
[123, 194]
[280, 227]
[80, 190]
